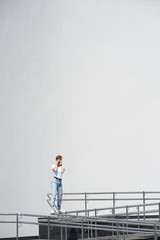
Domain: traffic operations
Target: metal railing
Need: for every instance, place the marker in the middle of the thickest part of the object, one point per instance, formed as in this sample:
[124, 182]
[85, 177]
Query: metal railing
[117, 228]
[100, 222]
[113, 197]
[141, 211]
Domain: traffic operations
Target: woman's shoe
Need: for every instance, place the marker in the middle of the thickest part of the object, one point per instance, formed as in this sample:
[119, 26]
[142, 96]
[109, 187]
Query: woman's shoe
[53, 211]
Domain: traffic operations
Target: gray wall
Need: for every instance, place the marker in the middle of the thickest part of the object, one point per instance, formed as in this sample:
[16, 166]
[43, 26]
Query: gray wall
[81, 79]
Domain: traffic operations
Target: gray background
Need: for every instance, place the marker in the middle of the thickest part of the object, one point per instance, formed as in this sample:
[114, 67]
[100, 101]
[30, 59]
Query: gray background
[80, 79]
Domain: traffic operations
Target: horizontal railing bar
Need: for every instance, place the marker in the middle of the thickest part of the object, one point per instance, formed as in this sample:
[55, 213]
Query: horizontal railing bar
[108, 199]
[86, 226]
[112, 208]
[115, 221]
[95, 227]
[105, 220]
[115, 196]
[96, 193]
[107, 229]
[109, 220]
[8, 221]
[66, 217]
[9, 214]
[129, 213]
[89, 220]
[105, 226]
[82, 193]
[73, 217]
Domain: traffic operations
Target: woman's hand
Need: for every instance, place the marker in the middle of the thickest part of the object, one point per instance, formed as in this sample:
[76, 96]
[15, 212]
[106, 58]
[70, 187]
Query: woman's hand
[62, 169]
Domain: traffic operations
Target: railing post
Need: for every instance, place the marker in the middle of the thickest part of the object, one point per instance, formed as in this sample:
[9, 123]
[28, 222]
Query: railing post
[144, 201]
[138, 212]
[95, 229]
[17, 227]
[61, 232]
[48, 228]
[91, 229]
[117, 230]
[114, 203]
[86, 203]
[82, 228]
[155, 232]
[112, 228]
[95, 212]
[65, 232]
[123, 232]
[126, 212]
[88, 230]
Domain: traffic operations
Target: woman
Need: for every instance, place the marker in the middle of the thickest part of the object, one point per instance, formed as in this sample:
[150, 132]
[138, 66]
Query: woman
[56, 185]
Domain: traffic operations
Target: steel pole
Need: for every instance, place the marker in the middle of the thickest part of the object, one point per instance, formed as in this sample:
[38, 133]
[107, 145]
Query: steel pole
[48, 228]
[85, 203]
[17, 227]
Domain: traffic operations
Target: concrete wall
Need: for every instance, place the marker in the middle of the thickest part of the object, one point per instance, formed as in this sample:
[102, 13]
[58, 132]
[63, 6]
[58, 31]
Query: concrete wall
[81, 79]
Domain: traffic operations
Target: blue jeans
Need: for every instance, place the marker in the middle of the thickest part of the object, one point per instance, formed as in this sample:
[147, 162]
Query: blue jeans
[57, 189]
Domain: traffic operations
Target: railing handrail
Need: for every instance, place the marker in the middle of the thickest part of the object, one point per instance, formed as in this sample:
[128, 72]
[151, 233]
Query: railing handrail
[111, 208]
[80, 218]
[93, 193]
[88, 223]
[85, 218]
[115, 197]
[113, 194]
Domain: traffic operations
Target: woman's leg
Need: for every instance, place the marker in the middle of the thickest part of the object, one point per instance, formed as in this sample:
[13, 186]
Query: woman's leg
[54, 192]
[60, 192]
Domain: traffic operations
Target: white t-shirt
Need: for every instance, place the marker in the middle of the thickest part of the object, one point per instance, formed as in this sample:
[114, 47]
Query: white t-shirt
[58, 173]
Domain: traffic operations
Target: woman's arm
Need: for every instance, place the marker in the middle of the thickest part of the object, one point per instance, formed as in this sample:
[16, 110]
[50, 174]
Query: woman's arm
[55, 167]
[62, 169]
